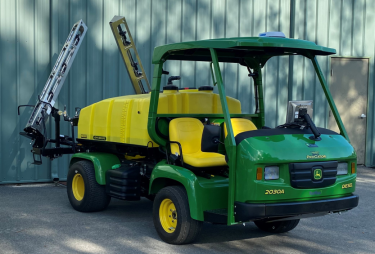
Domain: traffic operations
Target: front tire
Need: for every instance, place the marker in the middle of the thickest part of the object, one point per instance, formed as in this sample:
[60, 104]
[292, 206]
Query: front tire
[84, 193]
[276, 226]
[171, 215]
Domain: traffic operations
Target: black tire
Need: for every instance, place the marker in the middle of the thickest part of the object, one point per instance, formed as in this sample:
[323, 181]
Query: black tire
[276, 226]
[94, 195]
[187, 229]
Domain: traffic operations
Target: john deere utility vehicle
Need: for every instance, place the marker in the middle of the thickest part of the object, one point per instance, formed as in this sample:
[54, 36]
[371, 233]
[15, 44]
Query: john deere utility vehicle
[193, 152]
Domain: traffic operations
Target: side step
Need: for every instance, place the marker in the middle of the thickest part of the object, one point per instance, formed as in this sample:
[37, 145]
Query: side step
[216, 216]
[124, 182]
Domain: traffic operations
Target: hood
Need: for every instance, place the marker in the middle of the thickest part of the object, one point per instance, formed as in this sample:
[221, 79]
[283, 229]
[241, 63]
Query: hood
[293, 145]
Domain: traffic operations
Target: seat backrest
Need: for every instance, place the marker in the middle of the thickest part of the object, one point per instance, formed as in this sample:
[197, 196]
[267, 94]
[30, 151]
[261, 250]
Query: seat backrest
[240, 125]
[188, 132]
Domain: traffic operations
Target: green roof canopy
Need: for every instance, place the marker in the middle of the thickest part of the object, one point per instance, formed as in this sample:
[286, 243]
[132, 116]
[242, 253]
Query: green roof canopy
[237, 50]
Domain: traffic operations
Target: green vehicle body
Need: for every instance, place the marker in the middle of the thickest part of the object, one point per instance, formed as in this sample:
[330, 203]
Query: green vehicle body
[277, 154]
[246, 157]
[102, 163]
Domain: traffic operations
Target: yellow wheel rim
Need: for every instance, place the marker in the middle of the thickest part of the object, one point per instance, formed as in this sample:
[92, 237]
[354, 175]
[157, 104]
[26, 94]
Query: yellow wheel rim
[78, 187]
[168, 215]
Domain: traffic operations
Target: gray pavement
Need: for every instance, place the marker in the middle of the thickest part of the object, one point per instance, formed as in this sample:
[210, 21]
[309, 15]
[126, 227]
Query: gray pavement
[38, 218]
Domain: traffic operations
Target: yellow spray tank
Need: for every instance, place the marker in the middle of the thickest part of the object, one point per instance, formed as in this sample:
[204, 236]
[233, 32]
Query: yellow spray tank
[124, 119]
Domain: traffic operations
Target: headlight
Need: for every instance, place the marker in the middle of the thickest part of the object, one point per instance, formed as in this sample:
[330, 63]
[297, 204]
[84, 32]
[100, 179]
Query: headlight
[342, 168]
[271, 173]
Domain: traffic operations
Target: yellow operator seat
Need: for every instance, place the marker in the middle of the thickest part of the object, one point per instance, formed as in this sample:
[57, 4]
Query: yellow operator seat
[188, 132]
[240, 125]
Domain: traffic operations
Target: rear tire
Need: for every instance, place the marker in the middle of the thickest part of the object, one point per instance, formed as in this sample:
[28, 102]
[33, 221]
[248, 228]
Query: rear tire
[277, 226]
[171, 214]
[84, 193]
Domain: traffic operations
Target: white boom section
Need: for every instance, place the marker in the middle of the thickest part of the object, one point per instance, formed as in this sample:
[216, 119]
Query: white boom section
[51, 90]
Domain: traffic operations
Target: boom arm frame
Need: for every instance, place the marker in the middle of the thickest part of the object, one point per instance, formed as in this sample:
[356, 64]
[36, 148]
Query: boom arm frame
[36, 126]
[130, 55]
[55, 81]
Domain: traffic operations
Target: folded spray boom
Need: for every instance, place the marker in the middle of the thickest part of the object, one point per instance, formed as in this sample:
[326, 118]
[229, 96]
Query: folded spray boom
[55, 81]
[36, 126]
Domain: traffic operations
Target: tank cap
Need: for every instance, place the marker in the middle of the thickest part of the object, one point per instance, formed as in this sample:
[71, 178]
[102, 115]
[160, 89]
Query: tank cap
[205, 88]
[170, 87]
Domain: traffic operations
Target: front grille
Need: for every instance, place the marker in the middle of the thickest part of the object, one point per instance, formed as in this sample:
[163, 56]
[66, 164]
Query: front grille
[302, 174]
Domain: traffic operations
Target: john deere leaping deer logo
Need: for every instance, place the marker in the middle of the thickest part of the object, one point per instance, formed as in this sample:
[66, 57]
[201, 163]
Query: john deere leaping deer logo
[317, 174]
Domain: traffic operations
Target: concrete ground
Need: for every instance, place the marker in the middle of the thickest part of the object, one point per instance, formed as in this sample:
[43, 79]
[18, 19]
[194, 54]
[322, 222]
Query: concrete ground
[38, 218]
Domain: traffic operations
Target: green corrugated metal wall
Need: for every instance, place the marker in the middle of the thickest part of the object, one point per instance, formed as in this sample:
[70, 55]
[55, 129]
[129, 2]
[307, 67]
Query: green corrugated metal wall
[33, 32]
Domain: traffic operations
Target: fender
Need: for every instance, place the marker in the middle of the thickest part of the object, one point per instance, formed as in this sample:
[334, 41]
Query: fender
[163, 173]
[203, 194]
[102, 162]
